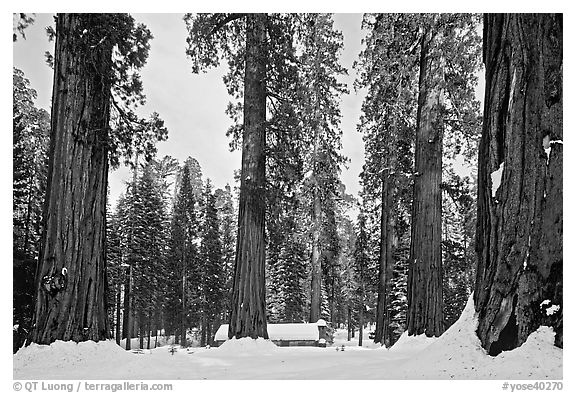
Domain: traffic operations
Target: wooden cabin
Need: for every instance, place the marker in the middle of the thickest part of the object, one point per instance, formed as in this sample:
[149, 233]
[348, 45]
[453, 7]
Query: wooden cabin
[287, 334]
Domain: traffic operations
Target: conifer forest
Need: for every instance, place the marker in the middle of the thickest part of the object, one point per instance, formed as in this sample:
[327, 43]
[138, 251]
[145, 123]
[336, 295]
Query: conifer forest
[459, 191]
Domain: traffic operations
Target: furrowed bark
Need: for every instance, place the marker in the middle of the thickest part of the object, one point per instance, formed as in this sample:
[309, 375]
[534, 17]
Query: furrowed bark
[70, 298]
[425, 315]
[248, 314]
[519, 229]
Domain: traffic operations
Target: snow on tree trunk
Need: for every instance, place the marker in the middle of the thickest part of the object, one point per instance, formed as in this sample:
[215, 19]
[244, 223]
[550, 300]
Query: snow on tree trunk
[519, 229]
[425, 305]
[248, 314]
[70, 298]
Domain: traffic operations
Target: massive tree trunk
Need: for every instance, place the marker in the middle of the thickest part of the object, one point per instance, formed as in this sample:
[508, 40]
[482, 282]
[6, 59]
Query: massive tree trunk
[519, 229]
[248, 314]
[70, 299]
[425, 305]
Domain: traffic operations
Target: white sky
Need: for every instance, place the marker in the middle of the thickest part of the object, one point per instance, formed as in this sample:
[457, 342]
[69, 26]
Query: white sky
[192, 106]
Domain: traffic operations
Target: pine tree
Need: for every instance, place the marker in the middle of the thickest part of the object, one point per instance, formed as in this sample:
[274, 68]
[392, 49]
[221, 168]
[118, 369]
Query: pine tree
[287, 264]
[387, 68]
[458, 219]
[519, 231]
[184, 254]
[114, 272]
[30, 152]
[212, 269]
[149, 243]
[319, 115]
[136, 245]
[227, 219]
[361, 261]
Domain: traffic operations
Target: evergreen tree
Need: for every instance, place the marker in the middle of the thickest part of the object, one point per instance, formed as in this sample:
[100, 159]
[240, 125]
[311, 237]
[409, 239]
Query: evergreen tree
[243, 40]
[149, 243]
[184, 255]
[70, 298]
[137, 244]
[320, 116]
[449, 57]
[387, 69]
[114, 272]
[227, 219]
[30, 152]
[444, 50]
[458, 221]
[361, 261]
[212, 269]
[287, 264]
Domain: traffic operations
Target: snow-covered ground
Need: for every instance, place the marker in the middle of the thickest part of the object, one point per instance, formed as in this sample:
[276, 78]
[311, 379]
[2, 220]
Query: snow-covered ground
[455, 355]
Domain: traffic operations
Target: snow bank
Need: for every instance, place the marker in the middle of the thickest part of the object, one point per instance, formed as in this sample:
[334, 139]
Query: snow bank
[408, 343]
[64, 355]
[69, 350]
[246, 346]
[458, 354]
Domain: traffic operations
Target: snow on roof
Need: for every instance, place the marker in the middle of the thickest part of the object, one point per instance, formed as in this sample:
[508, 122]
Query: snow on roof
[280, 331]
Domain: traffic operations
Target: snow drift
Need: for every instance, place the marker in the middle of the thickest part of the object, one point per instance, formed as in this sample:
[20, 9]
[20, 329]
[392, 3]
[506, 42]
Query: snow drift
[246, 346]
[458, 354]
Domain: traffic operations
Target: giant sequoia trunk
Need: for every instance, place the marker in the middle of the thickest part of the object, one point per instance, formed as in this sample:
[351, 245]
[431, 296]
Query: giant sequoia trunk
[425, 305]
[248, 314]
[519, 229]
[70, 299]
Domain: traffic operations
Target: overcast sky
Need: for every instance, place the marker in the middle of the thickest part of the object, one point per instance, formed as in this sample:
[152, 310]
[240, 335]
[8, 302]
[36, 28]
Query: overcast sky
[192, 106]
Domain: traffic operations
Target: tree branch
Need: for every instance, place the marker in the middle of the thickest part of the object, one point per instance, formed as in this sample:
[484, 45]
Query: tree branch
[223, 22]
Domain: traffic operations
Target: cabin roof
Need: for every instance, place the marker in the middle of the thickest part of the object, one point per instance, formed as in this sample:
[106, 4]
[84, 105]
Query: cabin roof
[280, 331]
